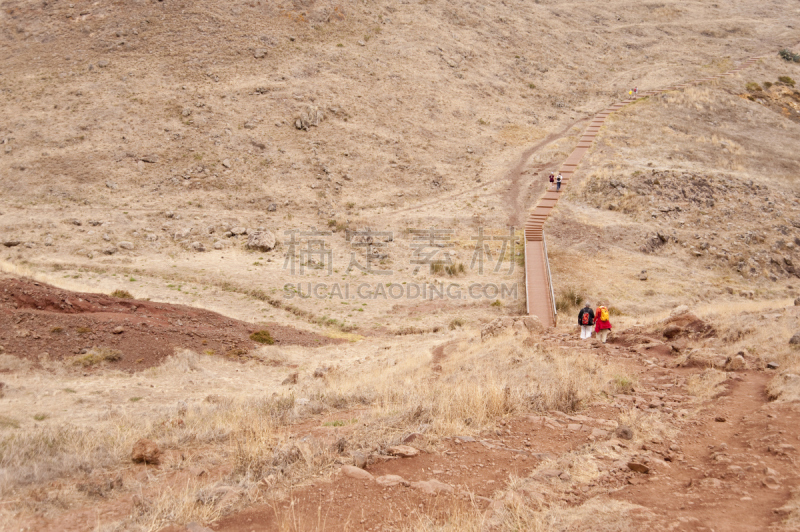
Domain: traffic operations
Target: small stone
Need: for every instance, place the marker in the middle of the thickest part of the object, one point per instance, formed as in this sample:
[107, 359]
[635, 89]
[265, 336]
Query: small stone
[107, 251]
[198, 246]
[117, 330]
[362, 43]
[146, 451]
[795, 340]
[356, 473]
[126, 245]
[624, 432]
[11, 243]
[261, 241]
[639, 468]
[259, 53]
[599, 433]
[218, 245]
[736, 363]
[152, 158]
[643, 275]
[272, 207]
[103, 63]
[226, 163]
[360, 460]
[403, 451]
[291, 379]
[239, 231]
[48, 240]
[773, 365]
[720, 419]
[771, 483]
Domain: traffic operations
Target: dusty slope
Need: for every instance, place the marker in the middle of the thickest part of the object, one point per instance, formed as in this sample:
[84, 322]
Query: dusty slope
[429, 123]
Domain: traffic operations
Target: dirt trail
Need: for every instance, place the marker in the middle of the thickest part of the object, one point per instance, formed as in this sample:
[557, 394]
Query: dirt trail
[725, 482]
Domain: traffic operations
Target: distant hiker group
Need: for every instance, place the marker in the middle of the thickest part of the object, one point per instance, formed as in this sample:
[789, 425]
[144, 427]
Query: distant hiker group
[599, 319]
[556, 180]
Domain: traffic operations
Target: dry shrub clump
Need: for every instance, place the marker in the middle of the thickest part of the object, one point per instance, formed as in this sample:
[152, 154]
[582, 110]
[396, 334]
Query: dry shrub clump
[707, 384]
[478, 383]
[97, 355]
[596, 514]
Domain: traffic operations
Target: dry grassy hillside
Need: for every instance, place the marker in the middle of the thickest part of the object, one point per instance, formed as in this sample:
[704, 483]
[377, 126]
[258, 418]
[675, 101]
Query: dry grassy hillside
[152, 149]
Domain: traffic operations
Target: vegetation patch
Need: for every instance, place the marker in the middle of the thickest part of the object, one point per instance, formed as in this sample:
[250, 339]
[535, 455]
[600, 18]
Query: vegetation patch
[97, 355]
[262, 337]
[121, 294]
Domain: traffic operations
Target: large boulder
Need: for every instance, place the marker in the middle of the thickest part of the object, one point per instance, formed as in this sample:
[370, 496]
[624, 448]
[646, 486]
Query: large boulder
[261, 241]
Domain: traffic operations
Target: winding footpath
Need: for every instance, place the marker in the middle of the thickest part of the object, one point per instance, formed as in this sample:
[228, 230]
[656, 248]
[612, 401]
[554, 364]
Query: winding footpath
[538, 281]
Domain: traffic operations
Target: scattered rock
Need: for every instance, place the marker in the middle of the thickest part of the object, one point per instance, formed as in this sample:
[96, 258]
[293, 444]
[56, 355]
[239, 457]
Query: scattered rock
[671, 331]
[272, 207]
[152, 158]
[795, 340]
[639, 468]
[146, 451]
[291, 379]
[111, 185]
[48, 240]
[624, 432]
[771, 483]
[797, 302]
[117, 330]
[360, 460]
[677, 311]
[226, 163]
[236, 231]
[259, 53]
[107, 251]
[198, 246]
[736, 363]
[261, 241]
[773, 365]
[11, 243]
[720, 419]
[126, 245]
[403, 451]
[218, 245]
[309, 116]
[643, 275]
[356, 473]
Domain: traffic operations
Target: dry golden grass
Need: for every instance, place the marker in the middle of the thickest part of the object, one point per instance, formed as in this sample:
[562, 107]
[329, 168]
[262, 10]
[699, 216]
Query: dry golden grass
[479, 382]
[707, 384]
[596, 514]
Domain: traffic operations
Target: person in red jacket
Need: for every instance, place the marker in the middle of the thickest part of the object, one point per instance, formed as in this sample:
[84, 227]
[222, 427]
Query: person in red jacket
[602, 326]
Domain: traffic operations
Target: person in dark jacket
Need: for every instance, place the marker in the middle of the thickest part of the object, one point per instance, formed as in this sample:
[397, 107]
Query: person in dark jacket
[586, 320]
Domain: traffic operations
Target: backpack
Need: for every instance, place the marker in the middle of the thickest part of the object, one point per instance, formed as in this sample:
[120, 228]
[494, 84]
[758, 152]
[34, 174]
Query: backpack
[603, 314]
[585, 318]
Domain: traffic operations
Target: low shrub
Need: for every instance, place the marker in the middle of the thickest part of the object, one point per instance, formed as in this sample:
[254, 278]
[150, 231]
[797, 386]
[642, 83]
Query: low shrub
[121, 294]
[786, 80]
[262, 337]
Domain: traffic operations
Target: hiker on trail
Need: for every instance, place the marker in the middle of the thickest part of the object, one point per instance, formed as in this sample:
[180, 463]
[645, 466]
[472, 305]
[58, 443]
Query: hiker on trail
[552, 179]
[601, 324]
[630, 93]
[635, 92]
[558, 182]
[586, 320]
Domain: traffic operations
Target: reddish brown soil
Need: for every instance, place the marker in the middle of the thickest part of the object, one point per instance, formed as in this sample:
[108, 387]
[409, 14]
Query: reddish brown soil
[37, 318]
